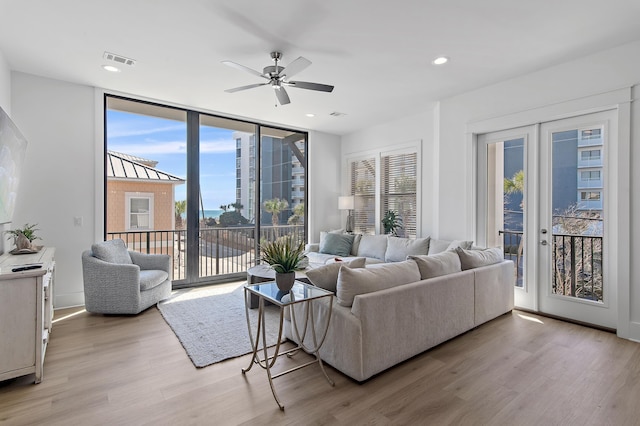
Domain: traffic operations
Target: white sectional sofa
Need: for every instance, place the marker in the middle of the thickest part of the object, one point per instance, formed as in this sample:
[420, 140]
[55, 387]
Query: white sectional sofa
[387, 313]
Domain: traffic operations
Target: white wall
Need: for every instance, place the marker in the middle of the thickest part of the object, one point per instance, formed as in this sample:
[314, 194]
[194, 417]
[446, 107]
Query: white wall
[5, 103]
[324, 184]
[418, 127]
[57, 118]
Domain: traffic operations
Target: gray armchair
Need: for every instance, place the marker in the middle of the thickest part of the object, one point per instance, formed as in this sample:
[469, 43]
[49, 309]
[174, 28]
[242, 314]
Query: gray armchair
[118, 281]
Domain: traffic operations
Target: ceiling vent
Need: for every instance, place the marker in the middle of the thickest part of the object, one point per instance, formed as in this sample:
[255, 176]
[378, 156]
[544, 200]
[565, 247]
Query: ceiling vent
[337, 114]
[119, 59]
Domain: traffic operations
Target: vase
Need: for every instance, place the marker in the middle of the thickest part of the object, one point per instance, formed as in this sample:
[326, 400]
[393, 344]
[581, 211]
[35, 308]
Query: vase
[285, 280]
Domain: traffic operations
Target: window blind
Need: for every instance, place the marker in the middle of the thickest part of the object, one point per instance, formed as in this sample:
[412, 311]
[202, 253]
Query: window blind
[398, 189]
[363, 187]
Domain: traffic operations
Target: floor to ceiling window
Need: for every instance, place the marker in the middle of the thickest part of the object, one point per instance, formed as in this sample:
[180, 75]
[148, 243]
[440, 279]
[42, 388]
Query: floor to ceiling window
[203, 189]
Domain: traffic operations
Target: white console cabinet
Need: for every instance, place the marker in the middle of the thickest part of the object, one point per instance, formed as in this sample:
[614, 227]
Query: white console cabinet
[26, 313]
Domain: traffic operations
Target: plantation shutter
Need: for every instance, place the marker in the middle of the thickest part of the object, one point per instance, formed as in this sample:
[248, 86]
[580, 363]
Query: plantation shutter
[398, 189]
[363, 186]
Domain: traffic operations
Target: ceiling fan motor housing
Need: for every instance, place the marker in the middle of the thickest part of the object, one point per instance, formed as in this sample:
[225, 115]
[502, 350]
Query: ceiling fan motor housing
[272, 70]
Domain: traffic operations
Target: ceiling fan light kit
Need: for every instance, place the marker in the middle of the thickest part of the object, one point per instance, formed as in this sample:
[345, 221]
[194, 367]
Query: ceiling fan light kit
[278, 77]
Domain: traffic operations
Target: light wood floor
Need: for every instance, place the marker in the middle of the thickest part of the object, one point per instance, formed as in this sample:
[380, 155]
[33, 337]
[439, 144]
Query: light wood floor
[519, 369]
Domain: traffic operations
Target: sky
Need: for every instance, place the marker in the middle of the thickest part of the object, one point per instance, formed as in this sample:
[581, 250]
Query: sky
[164, 141]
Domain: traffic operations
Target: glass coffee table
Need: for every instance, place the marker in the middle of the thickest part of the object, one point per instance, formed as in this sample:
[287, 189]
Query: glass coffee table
[301, 293]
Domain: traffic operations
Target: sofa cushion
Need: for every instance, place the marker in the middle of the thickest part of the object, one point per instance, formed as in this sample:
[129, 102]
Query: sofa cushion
[438, 246]
[356, 244]
[352, 282]
[399, 248]
[470, 259]
[112, 251]
[447, 262]
[337, 244]
[373, 246]
[152, 278]
[327, 276]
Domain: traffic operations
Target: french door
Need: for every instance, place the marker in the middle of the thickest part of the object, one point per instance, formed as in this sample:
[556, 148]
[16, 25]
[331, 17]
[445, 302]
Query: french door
[543, 197]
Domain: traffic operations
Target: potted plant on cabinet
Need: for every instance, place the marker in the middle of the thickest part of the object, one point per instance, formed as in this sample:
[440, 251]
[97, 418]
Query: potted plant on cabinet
[23, 238]
[285, 256]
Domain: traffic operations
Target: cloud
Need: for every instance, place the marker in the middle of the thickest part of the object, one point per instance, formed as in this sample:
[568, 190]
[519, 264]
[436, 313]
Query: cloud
[150, 147]
[123, 130]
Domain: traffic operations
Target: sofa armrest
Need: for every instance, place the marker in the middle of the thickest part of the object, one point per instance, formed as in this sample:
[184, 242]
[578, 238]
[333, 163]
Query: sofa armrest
[151, 261]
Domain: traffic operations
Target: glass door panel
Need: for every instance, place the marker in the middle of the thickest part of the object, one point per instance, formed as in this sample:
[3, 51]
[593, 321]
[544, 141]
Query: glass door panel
[502, 198]
[573, 207]
[283, 166]
[226, 240]
[145, 172]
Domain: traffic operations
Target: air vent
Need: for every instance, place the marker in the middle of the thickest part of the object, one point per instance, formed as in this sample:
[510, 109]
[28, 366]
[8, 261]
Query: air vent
[119, 59]
[337, 114]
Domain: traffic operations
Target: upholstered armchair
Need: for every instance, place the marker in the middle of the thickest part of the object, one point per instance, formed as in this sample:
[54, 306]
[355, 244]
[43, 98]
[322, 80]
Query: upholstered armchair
[118, 281]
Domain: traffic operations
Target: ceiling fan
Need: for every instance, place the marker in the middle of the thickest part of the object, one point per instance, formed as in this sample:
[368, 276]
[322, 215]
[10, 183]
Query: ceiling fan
[278, 77]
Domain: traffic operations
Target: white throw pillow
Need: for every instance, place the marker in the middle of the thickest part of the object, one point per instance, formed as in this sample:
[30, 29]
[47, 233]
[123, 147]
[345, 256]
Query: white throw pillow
[327, 276]
[447, 262]
[470, 259]
[352, 282]
[372, 246]
[399, 248]
[356, 244]
[438, 246]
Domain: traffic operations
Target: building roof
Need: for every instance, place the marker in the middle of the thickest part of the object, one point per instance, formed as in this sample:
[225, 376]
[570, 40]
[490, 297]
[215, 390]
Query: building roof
[124, 166]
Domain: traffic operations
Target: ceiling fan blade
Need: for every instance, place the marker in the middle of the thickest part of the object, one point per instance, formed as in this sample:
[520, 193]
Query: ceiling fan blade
[250, 86]
[311, 86]
[243, 68]
[282, 95]
[295, 67]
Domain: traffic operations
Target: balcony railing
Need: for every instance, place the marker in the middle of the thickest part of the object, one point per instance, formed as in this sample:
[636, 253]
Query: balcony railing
[577, 263]
[222, 251]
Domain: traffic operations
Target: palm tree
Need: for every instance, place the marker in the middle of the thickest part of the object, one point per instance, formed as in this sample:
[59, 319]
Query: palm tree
[237, 206]
[275, 206]
[180, 209]
[298, 214]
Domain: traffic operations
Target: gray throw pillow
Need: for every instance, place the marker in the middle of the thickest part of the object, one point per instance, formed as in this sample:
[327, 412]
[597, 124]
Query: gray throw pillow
[470, 259]
[352, 282]
[399, 248]
[438, 264]
[112, 251]
[373, 246]
[337, 244]
[327, 276]
[438, 246]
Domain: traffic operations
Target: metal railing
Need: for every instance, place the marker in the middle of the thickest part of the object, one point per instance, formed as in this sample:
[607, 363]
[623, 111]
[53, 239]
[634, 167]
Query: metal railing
[577, 263]
[222, 251]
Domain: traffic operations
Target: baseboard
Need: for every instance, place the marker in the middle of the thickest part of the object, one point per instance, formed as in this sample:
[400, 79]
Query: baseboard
[559, 318]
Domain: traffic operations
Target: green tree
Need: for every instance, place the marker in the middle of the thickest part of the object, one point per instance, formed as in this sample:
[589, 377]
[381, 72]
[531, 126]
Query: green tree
[275, 206]
[298, 215]
[180, 209]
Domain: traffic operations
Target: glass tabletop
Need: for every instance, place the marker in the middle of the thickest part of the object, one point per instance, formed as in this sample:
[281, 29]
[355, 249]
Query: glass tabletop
[300, 292]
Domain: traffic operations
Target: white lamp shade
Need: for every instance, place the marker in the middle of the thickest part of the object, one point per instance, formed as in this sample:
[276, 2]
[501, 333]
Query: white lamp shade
[346, 202]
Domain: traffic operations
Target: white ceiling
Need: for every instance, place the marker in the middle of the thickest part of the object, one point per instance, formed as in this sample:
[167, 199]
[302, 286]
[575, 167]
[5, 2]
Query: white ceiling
[377, 53]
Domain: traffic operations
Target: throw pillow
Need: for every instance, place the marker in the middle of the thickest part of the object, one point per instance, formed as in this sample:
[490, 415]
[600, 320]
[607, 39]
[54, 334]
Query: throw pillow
[337, 244]
[356, 244]
[438, 246]
[373, 246]
[438, 264]
[470, 259]
[399, 248]
[327, 276]
[323, 234]
[112, 251]
[352, 282]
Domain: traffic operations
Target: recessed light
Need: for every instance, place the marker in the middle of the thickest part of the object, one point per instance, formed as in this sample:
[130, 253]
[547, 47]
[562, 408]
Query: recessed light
[310, 115]
[440, 60]
[111, 68]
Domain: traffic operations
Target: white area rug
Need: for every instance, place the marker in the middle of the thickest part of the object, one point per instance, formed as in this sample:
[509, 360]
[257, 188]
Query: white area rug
[211, 323]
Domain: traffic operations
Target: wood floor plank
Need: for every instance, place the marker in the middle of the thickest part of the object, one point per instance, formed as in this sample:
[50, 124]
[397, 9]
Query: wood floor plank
[518, 369]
